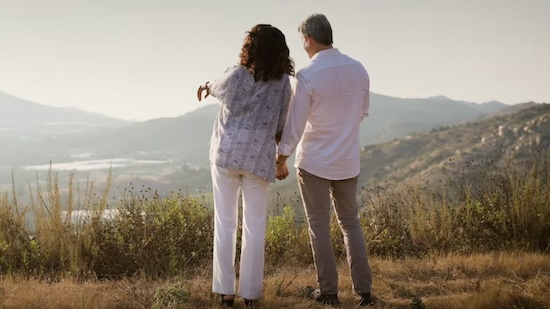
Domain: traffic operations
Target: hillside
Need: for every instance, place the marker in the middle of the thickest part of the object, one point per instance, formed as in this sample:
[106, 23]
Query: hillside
[180, 144]
[19, 114]
[392, 117]
[447, 153]
[35, 134]
[444, 152]
[187, 136]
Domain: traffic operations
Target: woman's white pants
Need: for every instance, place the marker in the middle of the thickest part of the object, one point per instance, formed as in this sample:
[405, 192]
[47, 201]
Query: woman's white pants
[226, 186]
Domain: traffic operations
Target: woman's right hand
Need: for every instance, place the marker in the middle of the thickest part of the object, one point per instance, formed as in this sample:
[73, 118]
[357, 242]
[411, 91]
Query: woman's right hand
[201, 89]
[281, 171]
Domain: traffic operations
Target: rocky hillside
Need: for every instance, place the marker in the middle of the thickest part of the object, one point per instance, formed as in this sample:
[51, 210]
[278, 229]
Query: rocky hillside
[445, 152]
[449, 152]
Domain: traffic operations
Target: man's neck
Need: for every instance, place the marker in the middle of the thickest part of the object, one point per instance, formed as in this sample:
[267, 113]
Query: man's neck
[319, 48]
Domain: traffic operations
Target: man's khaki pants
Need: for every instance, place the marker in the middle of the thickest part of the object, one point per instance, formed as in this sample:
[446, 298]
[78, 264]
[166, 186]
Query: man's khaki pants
[317, 194]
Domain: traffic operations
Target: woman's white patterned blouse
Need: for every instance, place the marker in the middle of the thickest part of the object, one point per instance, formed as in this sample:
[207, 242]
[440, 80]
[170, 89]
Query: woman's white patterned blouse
[251, 114]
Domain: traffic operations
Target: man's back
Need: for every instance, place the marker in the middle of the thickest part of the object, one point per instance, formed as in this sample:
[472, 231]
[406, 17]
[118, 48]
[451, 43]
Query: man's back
[330, 99]
[333, 92]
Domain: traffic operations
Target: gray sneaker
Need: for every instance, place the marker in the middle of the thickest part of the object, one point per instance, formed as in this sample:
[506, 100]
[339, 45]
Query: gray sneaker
[325, 299]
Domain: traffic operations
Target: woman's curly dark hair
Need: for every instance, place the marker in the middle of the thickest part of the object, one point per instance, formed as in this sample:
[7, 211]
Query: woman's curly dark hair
[266, 54]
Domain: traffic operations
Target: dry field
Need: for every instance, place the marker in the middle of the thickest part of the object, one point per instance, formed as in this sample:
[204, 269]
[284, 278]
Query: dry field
[484, 243]
[495, 280]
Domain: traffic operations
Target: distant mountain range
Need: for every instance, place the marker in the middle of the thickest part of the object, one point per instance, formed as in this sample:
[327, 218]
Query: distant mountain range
[31, 126]
[392, 117]
[22, 115]
[402, 139]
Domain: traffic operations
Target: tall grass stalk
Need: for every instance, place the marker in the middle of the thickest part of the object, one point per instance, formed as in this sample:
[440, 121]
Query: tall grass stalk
[77, 233]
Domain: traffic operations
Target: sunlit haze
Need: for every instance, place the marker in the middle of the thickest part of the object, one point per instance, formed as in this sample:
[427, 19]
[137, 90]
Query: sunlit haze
[142, 59]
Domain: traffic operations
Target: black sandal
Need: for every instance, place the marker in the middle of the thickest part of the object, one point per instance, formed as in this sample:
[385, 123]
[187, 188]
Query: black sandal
[249, 303]
[226, 301]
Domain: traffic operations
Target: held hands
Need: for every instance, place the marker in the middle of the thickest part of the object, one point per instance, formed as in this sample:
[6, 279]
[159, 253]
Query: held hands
[281, 170]
[201, 89]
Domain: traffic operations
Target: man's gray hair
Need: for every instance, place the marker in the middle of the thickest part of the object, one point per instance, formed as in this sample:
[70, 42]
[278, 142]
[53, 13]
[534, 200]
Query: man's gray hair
[318, 28]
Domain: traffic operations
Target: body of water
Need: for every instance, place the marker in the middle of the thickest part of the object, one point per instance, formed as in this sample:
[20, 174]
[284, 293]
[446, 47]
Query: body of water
[89, 165]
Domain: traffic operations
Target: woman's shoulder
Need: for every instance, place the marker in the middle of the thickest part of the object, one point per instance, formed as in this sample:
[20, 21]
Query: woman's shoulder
[237, 68]
[285, 80]
[239, 71]
[232, 74]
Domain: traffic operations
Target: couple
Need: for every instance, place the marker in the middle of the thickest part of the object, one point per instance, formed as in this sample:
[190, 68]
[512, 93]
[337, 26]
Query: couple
[262, 121]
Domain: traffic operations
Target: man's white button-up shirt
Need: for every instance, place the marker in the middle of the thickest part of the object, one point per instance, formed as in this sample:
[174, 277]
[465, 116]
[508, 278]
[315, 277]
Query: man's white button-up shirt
[329, 100]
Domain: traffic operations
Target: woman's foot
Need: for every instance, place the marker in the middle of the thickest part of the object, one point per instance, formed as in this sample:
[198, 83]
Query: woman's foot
[227, 300]
[249, 303]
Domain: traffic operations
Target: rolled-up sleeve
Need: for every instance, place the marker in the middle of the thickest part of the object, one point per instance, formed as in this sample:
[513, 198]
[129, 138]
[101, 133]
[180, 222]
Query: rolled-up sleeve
[366, 103]
[297, 116]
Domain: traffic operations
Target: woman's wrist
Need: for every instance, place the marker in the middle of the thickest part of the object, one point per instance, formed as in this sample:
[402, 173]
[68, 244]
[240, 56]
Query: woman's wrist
[280, 159]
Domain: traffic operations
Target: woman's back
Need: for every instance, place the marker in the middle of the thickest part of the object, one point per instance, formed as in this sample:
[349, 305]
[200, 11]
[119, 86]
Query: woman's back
[252, 113]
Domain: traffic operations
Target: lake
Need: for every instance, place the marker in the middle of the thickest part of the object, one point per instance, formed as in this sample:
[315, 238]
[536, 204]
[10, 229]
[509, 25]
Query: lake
[89, 165]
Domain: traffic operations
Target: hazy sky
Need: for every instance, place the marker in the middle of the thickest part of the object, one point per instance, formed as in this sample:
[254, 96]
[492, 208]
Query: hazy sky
[141, 59]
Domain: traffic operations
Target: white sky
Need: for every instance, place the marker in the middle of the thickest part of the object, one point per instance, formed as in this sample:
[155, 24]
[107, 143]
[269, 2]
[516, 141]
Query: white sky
[142, 59]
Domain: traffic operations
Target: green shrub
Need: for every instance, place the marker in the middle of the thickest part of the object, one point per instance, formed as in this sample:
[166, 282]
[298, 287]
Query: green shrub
[153, 236]
[491, 208]
[286, 239]
[487, 207]
[170, 297]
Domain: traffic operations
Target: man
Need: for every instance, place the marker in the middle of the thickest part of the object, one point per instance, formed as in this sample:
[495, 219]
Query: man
[330, 99]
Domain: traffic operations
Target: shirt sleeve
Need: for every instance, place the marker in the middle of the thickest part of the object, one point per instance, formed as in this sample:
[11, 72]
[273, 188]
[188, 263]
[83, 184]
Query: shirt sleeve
[366, 103]
[298, 114]
[221, 88]
[287, 91]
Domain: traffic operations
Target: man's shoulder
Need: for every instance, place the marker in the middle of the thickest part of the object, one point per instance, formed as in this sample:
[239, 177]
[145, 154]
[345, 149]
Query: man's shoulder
[311, 69]
[351, 60]
[355, 64]
[318, 66]
[305, 70]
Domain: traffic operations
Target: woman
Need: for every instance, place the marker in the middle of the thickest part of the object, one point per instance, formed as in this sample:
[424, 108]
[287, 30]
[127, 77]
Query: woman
[254, 96]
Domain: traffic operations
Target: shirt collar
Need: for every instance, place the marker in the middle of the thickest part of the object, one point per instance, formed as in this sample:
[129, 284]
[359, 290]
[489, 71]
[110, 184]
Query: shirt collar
[326, 53]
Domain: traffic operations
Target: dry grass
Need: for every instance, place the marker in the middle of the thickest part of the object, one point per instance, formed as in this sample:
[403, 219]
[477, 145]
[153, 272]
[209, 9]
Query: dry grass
[430, 247]
[494, 280]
